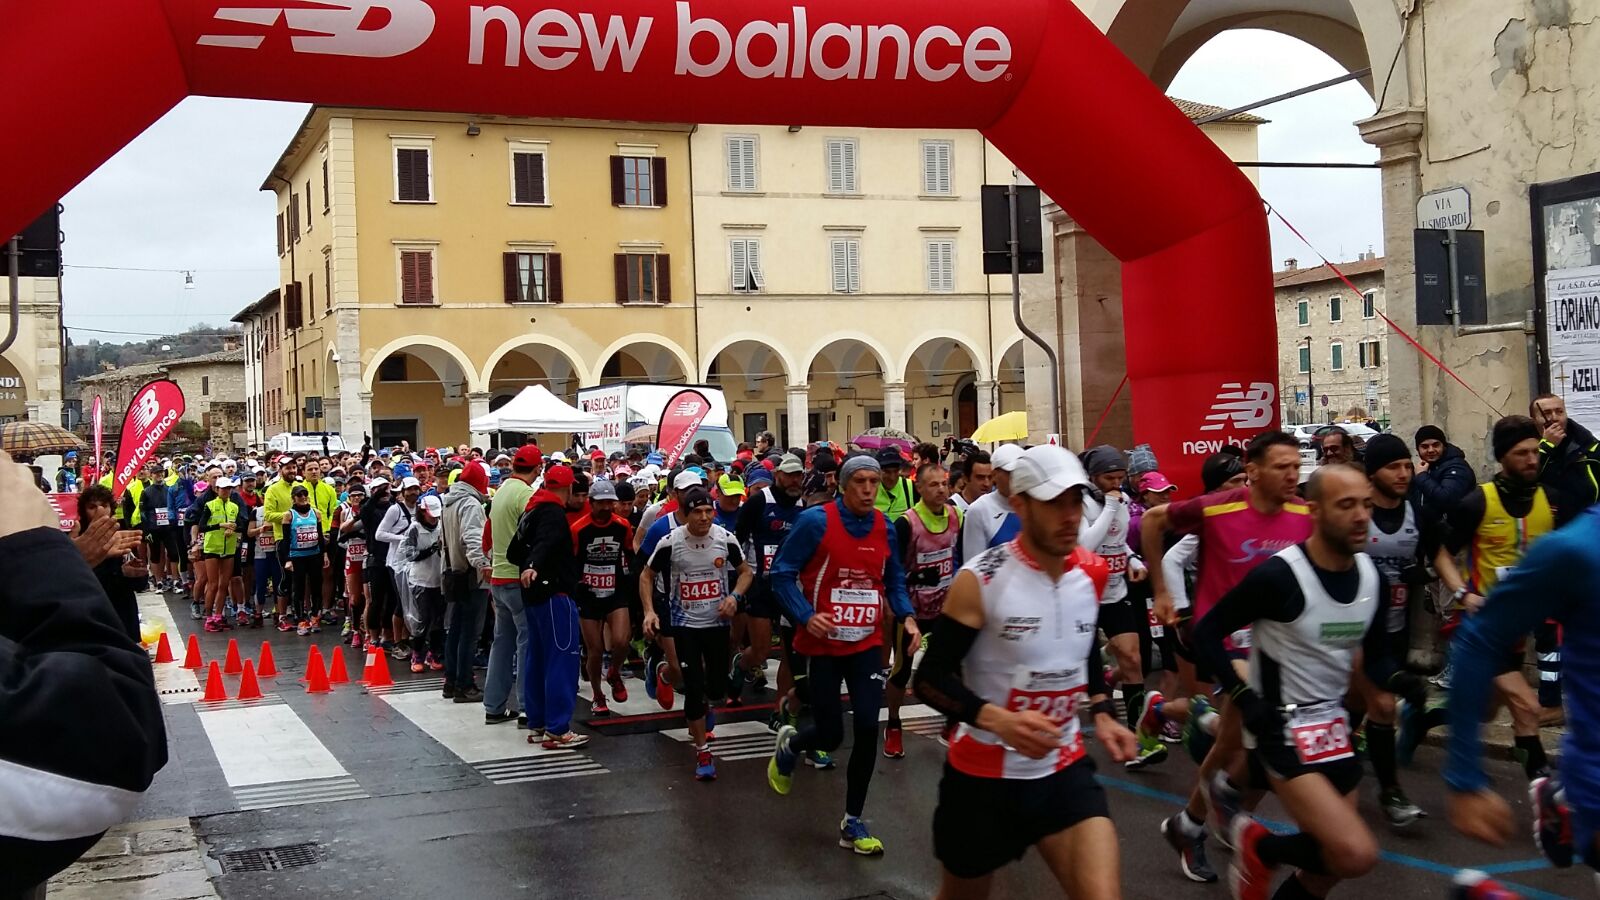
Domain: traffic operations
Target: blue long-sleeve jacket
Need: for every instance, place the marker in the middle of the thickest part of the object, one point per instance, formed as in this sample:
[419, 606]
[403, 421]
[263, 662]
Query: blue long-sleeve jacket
[180, 496]
[802, 543]
[1558, 579]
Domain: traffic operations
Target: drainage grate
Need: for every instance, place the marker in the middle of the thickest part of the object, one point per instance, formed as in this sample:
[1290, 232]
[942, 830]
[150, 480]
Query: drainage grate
[271, 859]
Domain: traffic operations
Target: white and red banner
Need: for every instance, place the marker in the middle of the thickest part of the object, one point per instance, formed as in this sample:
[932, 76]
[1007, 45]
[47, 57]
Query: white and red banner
[155, 409]
[66, 507]
[679, 421]
[98, 417]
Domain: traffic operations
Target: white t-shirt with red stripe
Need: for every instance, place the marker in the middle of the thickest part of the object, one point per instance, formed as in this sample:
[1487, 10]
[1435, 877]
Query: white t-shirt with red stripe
[1032, 653]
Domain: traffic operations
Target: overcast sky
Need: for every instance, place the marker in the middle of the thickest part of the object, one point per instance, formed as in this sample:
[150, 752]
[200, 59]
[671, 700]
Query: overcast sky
[184, 196]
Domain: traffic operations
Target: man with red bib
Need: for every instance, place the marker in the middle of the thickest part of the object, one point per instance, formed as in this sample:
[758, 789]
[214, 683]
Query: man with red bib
[833, 576]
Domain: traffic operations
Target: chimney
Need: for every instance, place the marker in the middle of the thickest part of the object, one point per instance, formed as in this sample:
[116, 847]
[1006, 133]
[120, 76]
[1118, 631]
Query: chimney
[230, 342]
[1291, 264]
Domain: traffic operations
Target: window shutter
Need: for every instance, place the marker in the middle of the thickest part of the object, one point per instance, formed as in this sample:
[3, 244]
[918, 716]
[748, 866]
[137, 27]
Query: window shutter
[621, 265]
[552, 278]
[841, 268]
[848, 157]
[513, 284]
[528, 171]
[327, 196]
[536, 177]
[753, 261]
[408, 276]
[835, 167]
[658, 179]
[853, 251]
[739, 277]
[741, 164]
[663, 278]
[420, 174]
[402, 174]
[930, 167]
[618, 198]
[424, 277]
[520, 187]
[280, 234]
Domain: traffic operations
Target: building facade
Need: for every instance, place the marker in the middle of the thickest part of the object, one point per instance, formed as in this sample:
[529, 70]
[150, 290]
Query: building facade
[213, 386]
[1332, 342]
[30, 369]
[263, 367]
[828, 279]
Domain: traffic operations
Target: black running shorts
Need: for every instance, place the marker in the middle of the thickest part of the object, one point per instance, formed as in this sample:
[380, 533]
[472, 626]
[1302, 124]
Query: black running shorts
[982, 824]
[596, 609]
[1122, 617]
[1279, 759]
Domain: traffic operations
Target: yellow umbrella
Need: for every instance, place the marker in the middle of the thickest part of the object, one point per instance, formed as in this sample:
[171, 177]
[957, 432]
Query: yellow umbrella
[1011, 426]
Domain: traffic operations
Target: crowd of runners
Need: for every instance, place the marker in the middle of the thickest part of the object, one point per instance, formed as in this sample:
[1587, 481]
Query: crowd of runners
[1281, 630]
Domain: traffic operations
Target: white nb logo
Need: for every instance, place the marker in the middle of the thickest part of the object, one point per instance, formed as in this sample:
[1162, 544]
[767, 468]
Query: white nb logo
[148, 408]
[334, 30]
[1246, 408]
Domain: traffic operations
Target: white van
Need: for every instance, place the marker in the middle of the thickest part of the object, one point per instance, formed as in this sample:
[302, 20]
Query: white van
[628, 405]
[306, 442]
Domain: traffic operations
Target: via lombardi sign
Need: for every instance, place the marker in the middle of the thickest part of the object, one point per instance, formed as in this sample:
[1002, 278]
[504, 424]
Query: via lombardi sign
[1447, 210]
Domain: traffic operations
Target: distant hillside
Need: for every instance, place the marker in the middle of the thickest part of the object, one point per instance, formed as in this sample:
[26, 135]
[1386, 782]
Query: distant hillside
[86, 359]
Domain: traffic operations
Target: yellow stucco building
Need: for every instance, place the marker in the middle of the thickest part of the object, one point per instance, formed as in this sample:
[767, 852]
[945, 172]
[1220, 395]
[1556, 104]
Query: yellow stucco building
[828, 279]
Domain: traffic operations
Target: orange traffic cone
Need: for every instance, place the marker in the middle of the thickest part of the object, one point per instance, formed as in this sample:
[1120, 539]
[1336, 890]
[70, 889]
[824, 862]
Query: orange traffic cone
[249, 688]
[230, 663]
[164, 650]
[314, 663]
[336, 670]
[191, 658]
[214, 688]
[377, 671]
[316, 675]
[267, 668]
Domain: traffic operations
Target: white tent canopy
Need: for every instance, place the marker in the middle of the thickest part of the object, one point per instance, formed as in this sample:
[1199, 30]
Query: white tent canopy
[536, 410]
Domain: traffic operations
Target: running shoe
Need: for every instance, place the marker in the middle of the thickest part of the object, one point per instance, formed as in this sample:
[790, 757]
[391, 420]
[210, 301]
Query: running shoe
[1149, 722]
[316, 627]
[434, 663]
[195, 612]
[1470, 884]
[663, 686]
[417, 665]
[893, 743]
[303, 629]
[213, 624]
[853, 836]
[618, 689]
[598, 706]
[495, 718]
[1552, 821]
[1442, 680]
[1171, 733]
[1248, 876]
[470, 695]
[569, 741]
[1151, 752]
[651, 660]
[357, 640]
[820, 761]
[399, 652]
[260, 619]
[244, 618]
[284, 624]
[1223, 798]
[780, 768]
[330, 617]
[705, 768]
[1399, 808]
[781, 717]
[1191, 850]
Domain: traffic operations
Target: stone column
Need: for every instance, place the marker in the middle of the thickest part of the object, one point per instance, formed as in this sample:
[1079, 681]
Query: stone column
[988, 400]
[799, 415]
[1397, 133]
[355, 418]
[1093, 346]
[894, 404]
[478, 405]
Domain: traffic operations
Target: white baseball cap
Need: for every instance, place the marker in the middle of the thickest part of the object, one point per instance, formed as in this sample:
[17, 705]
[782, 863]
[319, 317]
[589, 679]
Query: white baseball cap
[687, 479]
[1045, 471]
[1005, 457]
[225, 481]
[409, 482]
[378, 482]
[432, 505]
[558, 456]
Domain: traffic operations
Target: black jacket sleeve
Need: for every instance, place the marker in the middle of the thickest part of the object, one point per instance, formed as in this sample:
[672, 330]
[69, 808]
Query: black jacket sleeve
[543, 542]
[78, 702]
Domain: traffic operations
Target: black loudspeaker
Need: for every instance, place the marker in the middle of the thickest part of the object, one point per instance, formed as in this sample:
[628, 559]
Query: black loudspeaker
[41, 246]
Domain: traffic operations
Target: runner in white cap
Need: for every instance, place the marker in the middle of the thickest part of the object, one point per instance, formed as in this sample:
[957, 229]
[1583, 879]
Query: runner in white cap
[1014, 658]
[990, 521]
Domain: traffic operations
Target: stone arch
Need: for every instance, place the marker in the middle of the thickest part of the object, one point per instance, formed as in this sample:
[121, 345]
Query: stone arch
[884, 358]
[429, 349]
[522, 343]
[980, 361]
[664, 344]
[785, 361]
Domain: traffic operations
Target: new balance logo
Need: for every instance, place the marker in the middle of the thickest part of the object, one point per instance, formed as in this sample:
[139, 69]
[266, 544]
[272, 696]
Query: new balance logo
[1245, 408]
[148, 409]
[336, 28]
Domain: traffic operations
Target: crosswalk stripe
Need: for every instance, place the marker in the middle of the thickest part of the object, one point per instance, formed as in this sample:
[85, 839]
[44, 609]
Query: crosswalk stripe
[297, 793]
[551, 776]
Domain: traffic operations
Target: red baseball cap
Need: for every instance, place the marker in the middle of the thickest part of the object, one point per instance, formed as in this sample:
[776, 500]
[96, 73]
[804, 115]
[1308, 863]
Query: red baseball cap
[597, 454]
[558, 477]
[528, 457]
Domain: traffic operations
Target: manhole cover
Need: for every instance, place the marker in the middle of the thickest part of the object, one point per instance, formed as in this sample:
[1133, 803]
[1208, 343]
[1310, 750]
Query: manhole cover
[270, 859]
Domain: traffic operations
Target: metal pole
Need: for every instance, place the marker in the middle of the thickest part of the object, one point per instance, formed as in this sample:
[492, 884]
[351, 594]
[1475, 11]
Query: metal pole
[1350, 76]
[13, 258]
[1311, 391]
[1455, 288]
[1016, 310]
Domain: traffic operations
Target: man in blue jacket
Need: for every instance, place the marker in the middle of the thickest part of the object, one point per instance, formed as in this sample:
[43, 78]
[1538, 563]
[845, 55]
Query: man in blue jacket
[1558, 579]
[1443, 476]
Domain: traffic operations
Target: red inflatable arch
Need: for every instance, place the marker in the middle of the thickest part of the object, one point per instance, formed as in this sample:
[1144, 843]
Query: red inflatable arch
[1034, 75]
